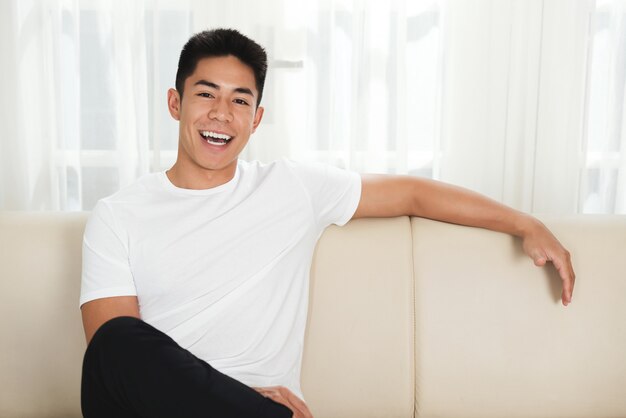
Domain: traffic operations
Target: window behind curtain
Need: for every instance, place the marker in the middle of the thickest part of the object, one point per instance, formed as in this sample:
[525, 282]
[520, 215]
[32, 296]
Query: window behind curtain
[90, 147]
[603, 188]
[356, 84]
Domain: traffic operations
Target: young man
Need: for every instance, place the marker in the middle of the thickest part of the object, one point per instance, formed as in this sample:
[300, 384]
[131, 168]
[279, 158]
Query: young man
[195, 280]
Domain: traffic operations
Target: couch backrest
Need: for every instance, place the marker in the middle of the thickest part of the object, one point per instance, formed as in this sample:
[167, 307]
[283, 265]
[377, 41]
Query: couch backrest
[42, 337]
[359, 333]
[358, 357]
[492, 338]
[480, 332]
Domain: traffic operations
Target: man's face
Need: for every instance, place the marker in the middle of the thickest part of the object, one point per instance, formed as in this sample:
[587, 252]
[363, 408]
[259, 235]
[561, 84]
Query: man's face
[217, 115]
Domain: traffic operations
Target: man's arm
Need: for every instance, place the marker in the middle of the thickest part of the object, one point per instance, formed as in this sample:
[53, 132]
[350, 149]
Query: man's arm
[388, 196]
[98, 311]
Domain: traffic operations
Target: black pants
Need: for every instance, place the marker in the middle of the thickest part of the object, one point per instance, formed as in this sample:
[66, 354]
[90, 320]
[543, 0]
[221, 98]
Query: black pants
[131, 369]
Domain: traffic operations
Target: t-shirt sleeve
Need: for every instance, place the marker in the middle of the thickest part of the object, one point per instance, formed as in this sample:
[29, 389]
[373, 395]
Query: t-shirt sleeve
[335, 193]
[106, 269]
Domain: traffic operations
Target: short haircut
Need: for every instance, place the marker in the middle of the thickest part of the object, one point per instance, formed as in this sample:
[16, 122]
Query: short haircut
[221, 43]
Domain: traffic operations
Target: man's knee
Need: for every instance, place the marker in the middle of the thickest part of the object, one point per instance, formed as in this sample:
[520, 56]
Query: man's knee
[115, 329]
[109, 353]
[115, 335]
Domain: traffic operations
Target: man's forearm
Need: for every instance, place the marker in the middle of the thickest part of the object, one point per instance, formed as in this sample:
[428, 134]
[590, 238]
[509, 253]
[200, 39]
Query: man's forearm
[448, 203]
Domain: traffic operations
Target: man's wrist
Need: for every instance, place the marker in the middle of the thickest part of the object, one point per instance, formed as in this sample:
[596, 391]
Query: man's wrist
[525, 225]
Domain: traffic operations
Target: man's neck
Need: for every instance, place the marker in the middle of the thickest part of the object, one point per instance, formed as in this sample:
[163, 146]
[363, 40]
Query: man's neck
[200, 178]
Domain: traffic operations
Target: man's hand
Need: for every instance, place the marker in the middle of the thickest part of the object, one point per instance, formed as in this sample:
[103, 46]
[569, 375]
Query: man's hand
[284, 396]
[542, 246]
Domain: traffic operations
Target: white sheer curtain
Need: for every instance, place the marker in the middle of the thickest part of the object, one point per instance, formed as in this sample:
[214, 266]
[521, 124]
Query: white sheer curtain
[522, 101]
[514, 84]
[74, 124]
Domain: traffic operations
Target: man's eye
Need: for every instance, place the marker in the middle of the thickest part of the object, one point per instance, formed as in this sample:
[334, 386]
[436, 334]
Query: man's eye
[240, 101]
[205, 95]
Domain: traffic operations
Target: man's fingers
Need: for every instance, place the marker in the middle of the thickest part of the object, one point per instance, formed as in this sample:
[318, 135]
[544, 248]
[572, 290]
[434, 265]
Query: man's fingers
[568, 288]
[538, 256]
[562, 263]
[297, 402]
[279, 398]
[564, 266]
[284, 396]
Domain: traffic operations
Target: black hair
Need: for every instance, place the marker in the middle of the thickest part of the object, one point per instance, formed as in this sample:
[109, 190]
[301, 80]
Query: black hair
[221, 43]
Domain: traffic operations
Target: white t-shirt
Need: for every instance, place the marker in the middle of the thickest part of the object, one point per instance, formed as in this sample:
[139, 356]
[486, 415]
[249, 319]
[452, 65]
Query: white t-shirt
[223, 271]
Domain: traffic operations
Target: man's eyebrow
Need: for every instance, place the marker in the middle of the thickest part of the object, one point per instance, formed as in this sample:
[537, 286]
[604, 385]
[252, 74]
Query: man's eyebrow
[242, 90]
[206, 83]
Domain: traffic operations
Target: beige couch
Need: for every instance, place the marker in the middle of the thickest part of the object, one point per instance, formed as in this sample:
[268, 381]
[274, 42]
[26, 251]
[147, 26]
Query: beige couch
[408, 318]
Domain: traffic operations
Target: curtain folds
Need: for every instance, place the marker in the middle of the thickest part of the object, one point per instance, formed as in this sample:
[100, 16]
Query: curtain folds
[522, 101]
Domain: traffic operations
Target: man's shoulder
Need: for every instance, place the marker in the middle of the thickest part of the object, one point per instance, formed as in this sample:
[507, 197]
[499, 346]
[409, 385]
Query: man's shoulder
[131, 202]
[136, 191]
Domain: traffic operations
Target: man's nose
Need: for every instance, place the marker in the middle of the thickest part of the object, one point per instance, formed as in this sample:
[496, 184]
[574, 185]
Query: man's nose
[221, 111]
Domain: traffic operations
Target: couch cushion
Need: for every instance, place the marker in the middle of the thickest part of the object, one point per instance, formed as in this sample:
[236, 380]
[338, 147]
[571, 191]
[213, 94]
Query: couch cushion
[358, 357]
[360, 321]
[492, 338]
[42, 335]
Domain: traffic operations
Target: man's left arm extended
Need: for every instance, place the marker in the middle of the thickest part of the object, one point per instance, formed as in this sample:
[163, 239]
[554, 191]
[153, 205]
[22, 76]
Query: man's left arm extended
[389, 196]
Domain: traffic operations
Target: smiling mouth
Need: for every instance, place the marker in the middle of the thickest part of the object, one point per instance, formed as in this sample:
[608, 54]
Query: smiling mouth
[215, 138]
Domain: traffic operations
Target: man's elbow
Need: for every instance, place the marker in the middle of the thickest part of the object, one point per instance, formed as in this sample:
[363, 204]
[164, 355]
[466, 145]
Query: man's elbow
[96, 312]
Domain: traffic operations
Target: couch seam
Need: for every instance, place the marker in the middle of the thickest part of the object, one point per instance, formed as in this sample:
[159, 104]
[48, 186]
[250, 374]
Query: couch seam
[414, 320]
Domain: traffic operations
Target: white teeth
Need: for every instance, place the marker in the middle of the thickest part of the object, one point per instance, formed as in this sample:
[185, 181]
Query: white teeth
[210, 134]
[216, 143]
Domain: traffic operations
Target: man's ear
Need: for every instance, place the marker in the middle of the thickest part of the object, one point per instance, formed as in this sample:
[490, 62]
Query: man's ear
[257, 118]
[173, 103]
